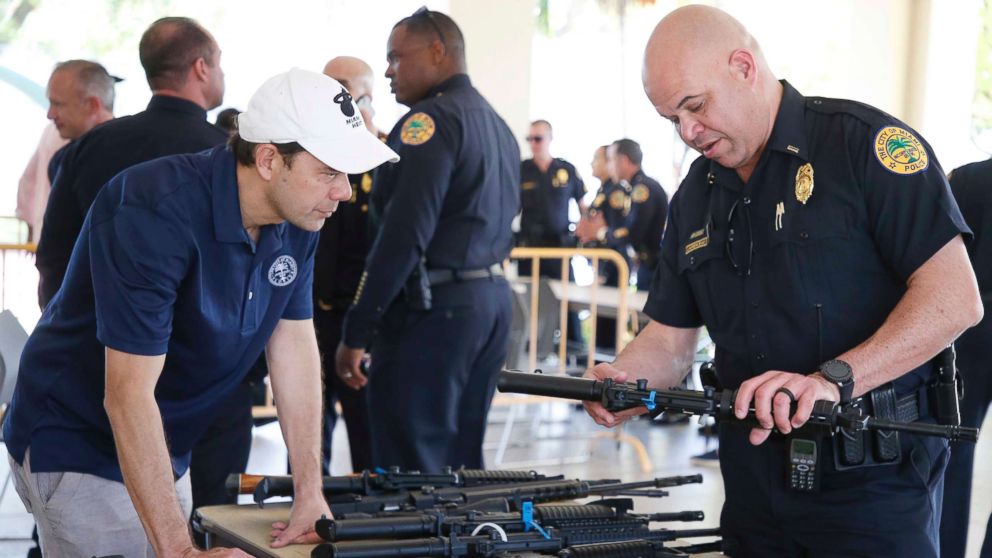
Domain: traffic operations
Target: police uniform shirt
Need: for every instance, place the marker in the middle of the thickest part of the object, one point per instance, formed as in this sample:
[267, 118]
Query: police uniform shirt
[650, 208]
[807, 259]
[450, 199]
[169, 126]
[342, 248]
[163, 266]
[544, 201]
[613, 202]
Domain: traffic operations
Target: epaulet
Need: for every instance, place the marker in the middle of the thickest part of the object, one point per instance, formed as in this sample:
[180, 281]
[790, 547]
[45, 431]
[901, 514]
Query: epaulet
[868, 114]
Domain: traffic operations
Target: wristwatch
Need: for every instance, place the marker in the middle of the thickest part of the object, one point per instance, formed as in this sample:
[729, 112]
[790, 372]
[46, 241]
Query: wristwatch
[840, 374]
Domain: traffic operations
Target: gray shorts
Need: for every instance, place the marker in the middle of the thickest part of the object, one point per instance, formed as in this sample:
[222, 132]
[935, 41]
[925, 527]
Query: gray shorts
[80, 515]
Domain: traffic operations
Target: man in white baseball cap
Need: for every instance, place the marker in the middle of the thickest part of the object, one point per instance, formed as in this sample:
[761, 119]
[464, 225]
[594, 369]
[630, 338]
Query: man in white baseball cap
[204, 261]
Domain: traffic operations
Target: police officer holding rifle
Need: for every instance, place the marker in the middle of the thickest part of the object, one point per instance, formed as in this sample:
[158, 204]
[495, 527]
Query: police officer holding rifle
[818, 242]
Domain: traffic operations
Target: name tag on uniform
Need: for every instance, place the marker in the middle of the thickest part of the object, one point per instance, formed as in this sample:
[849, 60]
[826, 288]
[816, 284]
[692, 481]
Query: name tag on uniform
[698, 239]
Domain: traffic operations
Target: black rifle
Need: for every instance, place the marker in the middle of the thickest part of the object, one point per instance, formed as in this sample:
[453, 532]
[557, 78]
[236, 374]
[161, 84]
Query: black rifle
[369, 483]
[619, 396]
[496, 498]
[636, 549]
[544, 541]
[444, 522]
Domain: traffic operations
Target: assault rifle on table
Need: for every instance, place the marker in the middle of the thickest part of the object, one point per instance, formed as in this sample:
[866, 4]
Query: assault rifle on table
[496, 542]
[368, 483]
[619, 396]
[492, 498]
[638, 548]
[464, 521]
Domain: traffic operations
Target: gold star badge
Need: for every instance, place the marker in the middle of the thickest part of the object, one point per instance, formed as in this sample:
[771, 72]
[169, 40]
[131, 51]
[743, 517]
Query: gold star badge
[804, 183]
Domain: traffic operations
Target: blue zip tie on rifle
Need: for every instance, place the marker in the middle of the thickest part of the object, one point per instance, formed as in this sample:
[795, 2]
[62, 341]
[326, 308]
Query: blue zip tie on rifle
[527, 516]
[649, 401]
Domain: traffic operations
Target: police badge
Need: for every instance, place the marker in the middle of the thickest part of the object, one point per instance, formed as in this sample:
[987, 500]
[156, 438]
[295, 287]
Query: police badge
[804, 183]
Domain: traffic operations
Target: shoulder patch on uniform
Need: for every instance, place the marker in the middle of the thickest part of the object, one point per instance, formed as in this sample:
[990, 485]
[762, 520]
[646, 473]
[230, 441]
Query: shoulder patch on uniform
[617, 199]
[640, 194]
[418, 129]
[600, 198]
[899, 151]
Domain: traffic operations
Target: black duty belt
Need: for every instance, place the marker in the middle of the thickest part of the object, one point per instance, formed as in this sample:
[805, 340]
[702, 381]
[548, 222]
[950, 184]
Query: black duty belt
[442, 276]
[909, 406]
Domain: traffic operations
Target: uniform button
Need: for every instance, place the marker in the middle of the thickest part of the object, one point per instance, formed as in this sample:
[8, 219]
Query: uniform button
[760, 356]
[754, 336]
[251, 295]
[692, 260]
[754, 305]
[746, 200]
[804, 235]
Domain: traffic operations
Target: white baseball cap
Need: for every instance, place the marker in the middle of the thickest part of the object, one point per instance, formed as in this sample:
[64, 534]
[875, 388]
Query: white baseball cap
[318, 113]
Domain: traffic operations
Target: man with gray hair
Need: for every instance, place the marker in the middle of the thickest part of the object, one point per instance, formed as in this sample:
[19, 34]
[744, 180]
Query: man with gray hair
[80, 96]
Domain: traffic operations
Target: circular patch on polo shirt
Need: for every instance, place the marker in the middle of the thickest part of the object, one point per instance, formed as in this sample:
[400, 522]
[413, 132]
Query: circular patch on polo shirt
[282, 271]
[417, 129]
[899, 151]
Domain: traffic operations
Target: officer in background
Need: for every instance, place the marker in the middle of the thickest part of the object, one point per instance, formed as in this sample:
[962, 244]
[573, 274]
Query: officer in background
[818, 242]
[338, 264]
[547, 185]
[432, 283]
[607, 225]
[972, 188]
[649, 207]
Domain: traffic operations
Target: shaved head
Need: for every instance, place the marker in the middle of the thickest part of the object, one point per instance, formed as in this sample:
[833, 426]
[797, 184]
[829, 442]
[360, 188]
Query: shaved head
[357, 77]
[707, 74]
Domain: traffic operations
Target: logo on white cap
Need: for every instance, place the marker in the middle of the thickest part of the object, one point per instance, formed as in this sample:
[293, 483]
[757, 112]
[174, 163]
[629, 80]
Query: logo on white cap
[307, 108]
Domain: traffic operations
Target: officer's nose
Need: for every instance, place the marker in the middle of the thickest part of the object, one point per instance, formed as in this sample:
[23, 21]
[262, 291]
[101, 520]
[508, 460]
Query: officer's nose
[689, 130]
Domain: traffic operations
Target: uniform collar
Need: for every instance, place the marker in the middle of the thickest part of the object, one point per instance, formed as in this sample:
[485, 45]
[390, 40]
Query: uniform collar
[176, 104]
[789, 134]
[456, 81]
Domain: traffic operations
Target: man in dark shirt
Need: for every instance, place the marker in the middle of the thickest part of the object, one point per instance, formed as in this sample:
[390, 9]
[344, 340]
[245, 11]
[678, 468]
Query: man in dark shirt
[186, 269]
[338, 264]
[972, 188]
[649, 206]
[182, 65]
[433, 282]
[547, 185]
[818, 242]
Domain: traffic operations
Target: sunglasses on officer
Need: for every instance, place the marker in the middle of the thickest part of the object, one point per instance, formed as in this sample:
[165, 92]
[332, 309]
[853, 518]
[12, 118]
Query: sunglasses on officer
[535, 139]
[425, 13]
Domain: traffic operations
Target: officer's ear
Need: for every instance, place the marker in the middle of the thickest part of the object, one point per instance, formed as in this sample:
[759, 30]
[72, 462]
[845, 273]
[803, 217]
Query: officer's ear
[742, 65]
[265, 159]
[438, 51]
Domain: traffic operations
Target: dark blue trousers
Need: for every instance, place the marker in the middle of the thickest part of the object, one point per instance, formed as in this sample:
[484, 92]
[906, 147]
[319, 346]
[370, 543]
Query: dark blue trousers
[433, 375]
[974, 349]
[353, 403]
[875, 512]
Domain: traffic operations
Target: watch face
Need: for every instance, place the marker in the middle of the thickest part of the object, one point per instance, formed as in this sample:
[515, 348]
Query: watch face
[836, 370]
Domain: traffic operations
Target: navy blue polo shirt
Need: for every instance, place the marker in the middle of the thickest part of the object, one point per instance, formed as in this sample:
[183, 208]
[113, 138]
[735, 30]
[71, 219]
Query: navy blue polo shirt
[544, 200]
[807, 259]
[163, 266]
[449, 200]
